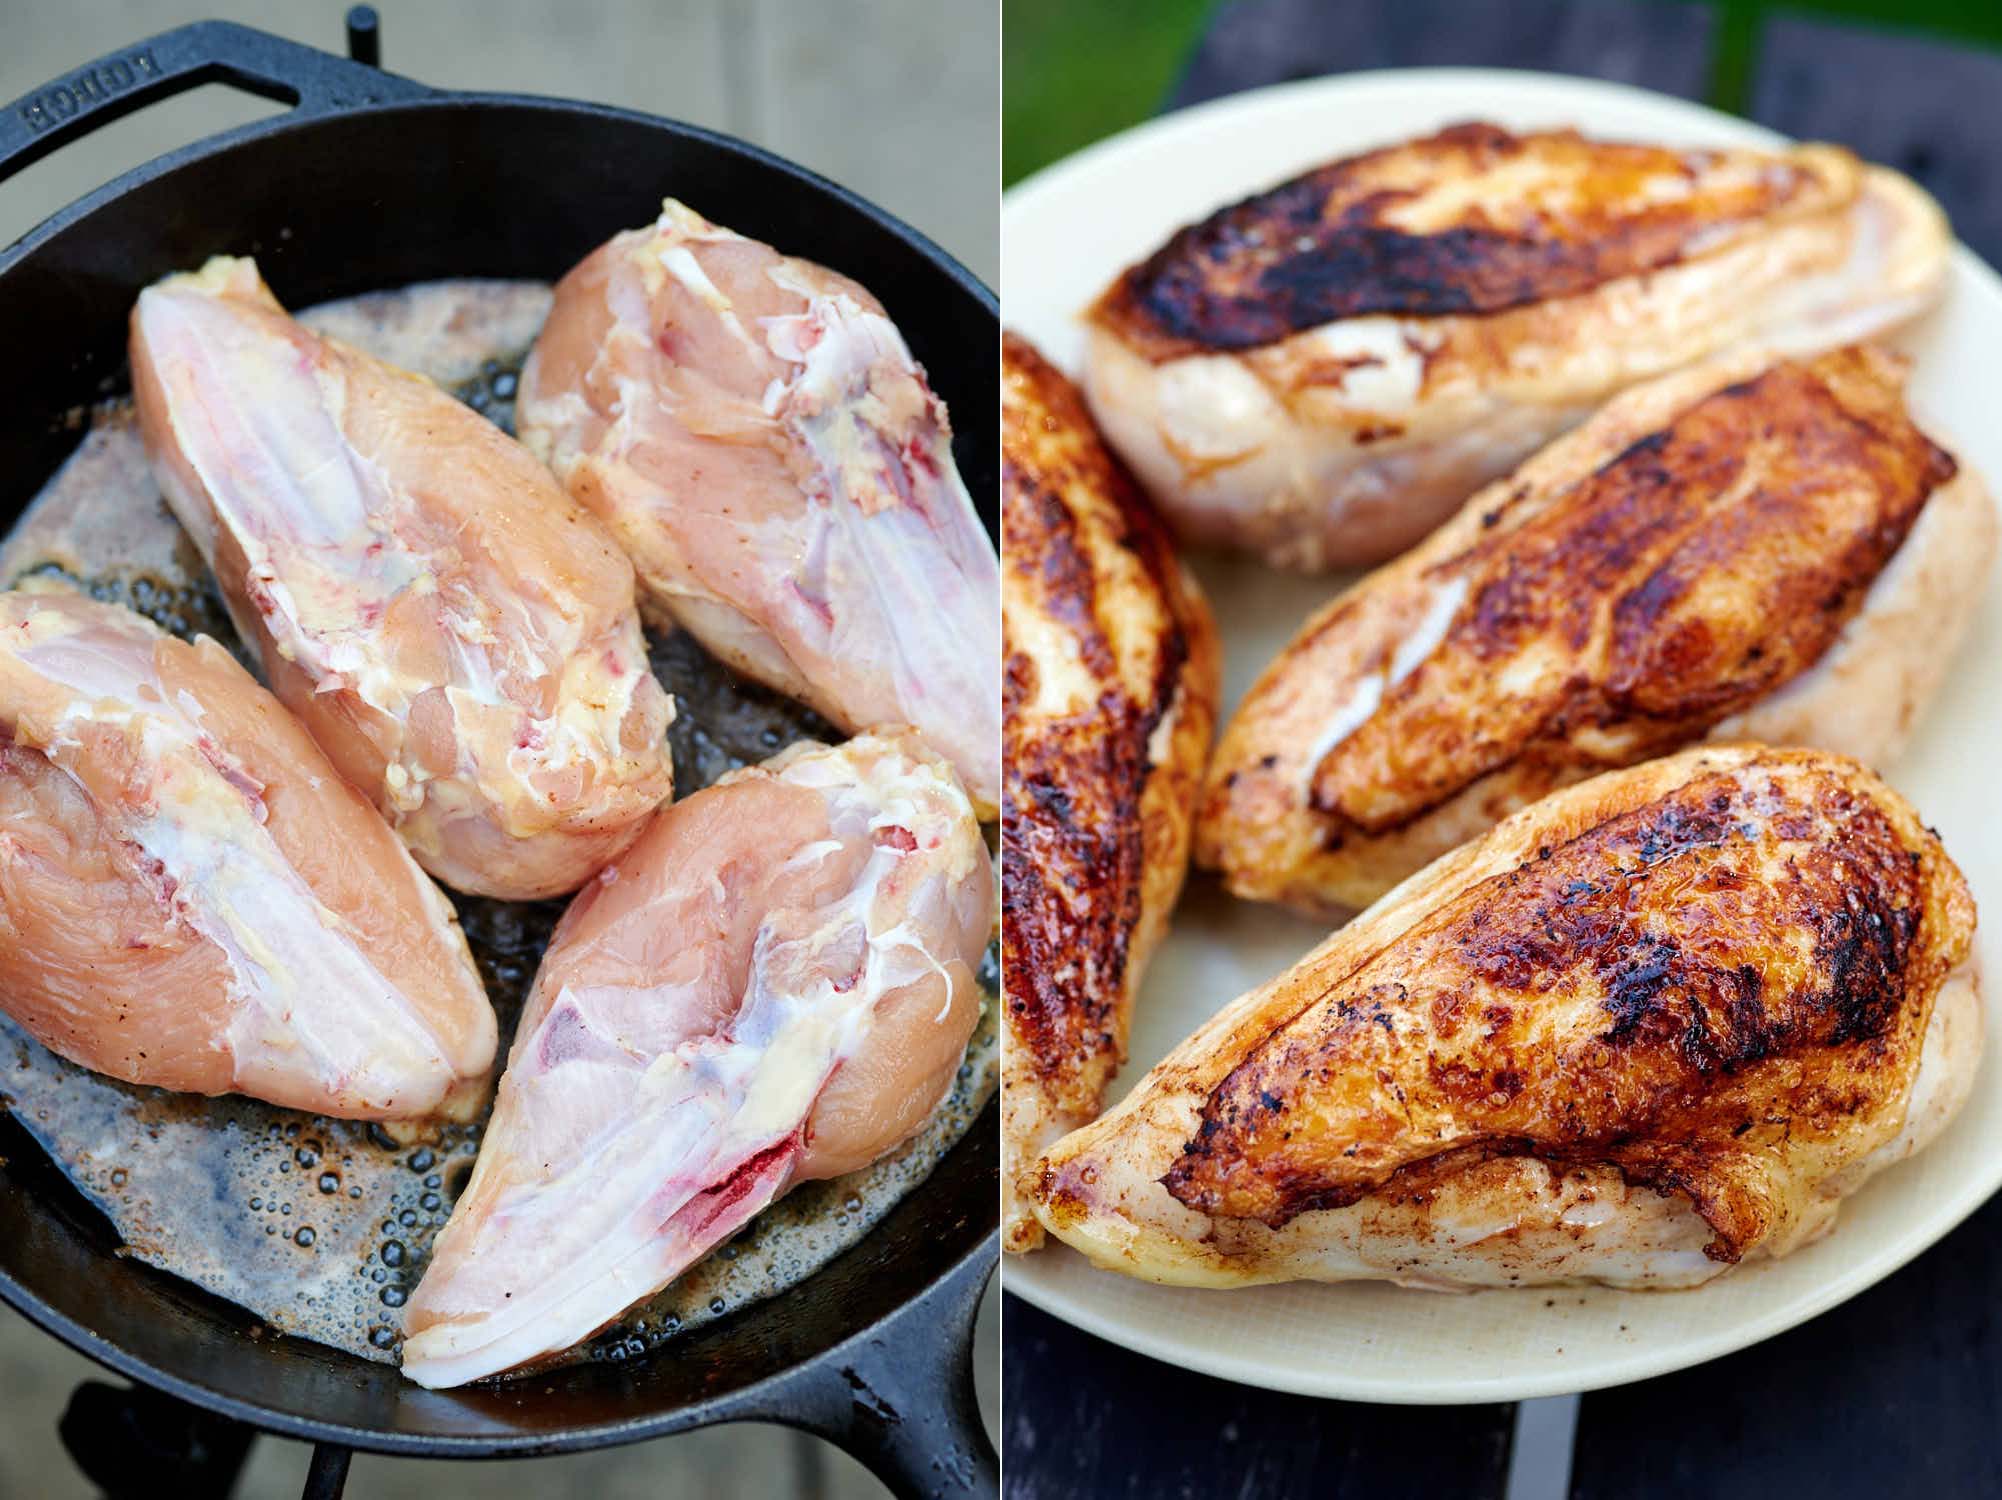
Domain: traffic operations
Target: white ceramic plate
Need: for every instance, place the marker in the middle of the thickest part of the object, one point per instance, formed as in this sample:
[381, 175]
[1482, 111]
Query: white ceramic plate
[1064, 233]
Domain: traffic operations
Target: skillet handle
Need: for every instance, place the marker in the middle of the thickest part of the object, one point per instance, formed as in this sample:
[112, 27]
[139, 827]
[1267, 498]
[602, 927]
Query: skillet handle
[903, 1404]
[174, 62]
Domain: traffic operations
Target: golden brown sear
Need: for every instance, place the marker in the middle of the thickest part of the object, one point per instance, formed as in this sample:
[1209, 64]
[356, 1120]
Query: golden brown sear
[1732, 974]
[1474, 219]
[1109, 697]
[1645, 582]
[1706, 565]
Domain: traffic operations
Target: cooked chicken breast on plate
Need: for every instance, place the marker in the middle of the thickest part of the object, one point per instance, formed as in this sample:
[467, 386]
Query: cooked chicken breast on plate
[1656, 1025]
[1756, 548]
[192, 897]
[755, 432]
[1110, 693]
[459, 636]
[1323, 372]
[775, 984]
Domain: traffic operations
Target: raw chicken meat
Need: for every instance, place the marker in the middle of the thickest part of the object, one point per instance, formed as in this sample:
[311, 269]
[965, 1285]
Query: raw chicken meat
[1752, 549]
[459, 636]
[1109, 698]
[774, 984]
[1658, 1024]
[192, 897]
[1323, 372]
[758, 437]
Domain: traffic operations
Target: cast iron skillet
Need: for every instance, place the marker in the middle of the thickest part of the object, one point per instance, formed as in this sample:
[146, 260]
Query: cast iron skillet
[373, 181]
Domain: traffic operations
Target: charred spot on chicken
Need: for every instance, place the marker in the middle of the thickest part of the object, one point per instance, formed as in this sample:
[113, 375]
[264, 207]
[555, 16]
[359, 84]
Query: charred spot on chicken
[1655, 1025]
[1755, 946]
[1395, 231]
[1108, 695]
[1321, 372]
[1071, 837]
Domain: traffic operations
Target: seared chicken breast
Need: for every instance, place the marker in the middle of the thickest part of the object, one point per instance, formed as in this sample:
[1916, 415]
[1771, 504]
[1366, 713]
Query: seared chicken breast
[1757, 548]
[190, 895]
[1322, 372]
[1658, 1024]
[775, 984]
[754, 430]
[1110, 694]
[459, 636]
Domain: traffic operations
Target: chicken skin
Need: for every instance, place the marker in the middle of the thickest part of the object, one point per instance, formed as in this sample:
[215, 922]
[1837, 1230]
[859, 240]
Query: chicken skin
[1658, 1024]
[774, 984]
[1109, 696]
[1752, 549]
[755, 432]
[1323, 372]
[190, 895]
[457, 634]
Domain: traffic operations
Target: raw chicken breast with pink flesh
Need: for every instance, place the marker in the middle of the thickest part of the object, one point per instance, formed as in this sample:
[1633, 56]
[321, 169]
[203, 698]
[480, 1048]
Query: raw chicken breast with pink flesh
[191, 896]
[759, 438]
[774, 984]
[457, 633]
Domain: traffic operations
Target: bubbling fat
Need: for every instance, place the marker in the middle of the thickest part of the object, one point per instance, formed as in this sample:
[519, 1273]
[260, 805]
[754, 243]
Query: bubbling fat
[321, 1228]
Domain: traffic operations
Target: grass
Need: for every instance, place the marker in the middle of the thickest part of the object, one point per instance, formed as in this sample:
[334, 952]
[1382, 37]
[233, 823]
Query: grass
[1074, 71]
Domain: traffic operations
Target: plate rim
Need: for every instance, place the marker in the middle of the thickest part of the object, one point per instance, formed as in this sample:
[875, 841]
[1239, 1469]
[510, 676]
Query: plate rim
[1018, 1274]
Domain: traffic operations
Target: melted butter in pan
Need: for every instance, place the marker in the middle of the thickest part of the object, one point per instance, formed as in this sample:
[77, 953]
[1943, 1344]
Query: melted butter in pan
[321, 1228]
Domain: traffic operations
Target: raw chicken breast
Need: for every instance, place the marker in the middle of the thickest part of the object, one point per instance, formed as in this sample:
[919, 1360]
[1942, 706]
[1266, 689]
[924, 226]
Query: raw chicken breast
[1658, 1024]
[1322, 372]
[758, 437]
[459, 636]
[774, 984]
[1751, 549]
[192, 897]
[1109, 698]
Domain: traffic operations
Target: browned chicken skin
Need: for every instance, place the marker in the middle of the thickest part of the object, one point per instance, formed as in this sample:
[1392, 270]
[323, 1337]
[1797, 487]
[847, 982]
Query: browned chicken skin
[1109, 698]
[1740, 932]
[1711, 977]
[1321, 372]
[1649, 580]
[1412, 229]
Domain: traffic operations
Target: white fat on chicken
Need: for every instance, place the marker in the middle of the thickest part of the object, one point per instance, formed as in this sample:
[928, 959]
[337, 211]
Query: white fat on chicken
[312, 1020]
[1442, 607]
[774, 984]
[462, 639]
[756, 432]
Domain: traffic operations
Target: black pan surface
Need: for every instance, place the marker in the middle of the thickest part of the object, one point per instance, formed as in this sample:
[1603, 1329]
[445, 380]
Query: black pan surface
[376, 181]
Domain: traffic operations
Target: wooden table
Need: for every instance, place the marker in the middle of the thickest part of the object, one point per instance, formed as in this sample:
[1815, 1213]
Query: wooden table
[1896, 1393]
